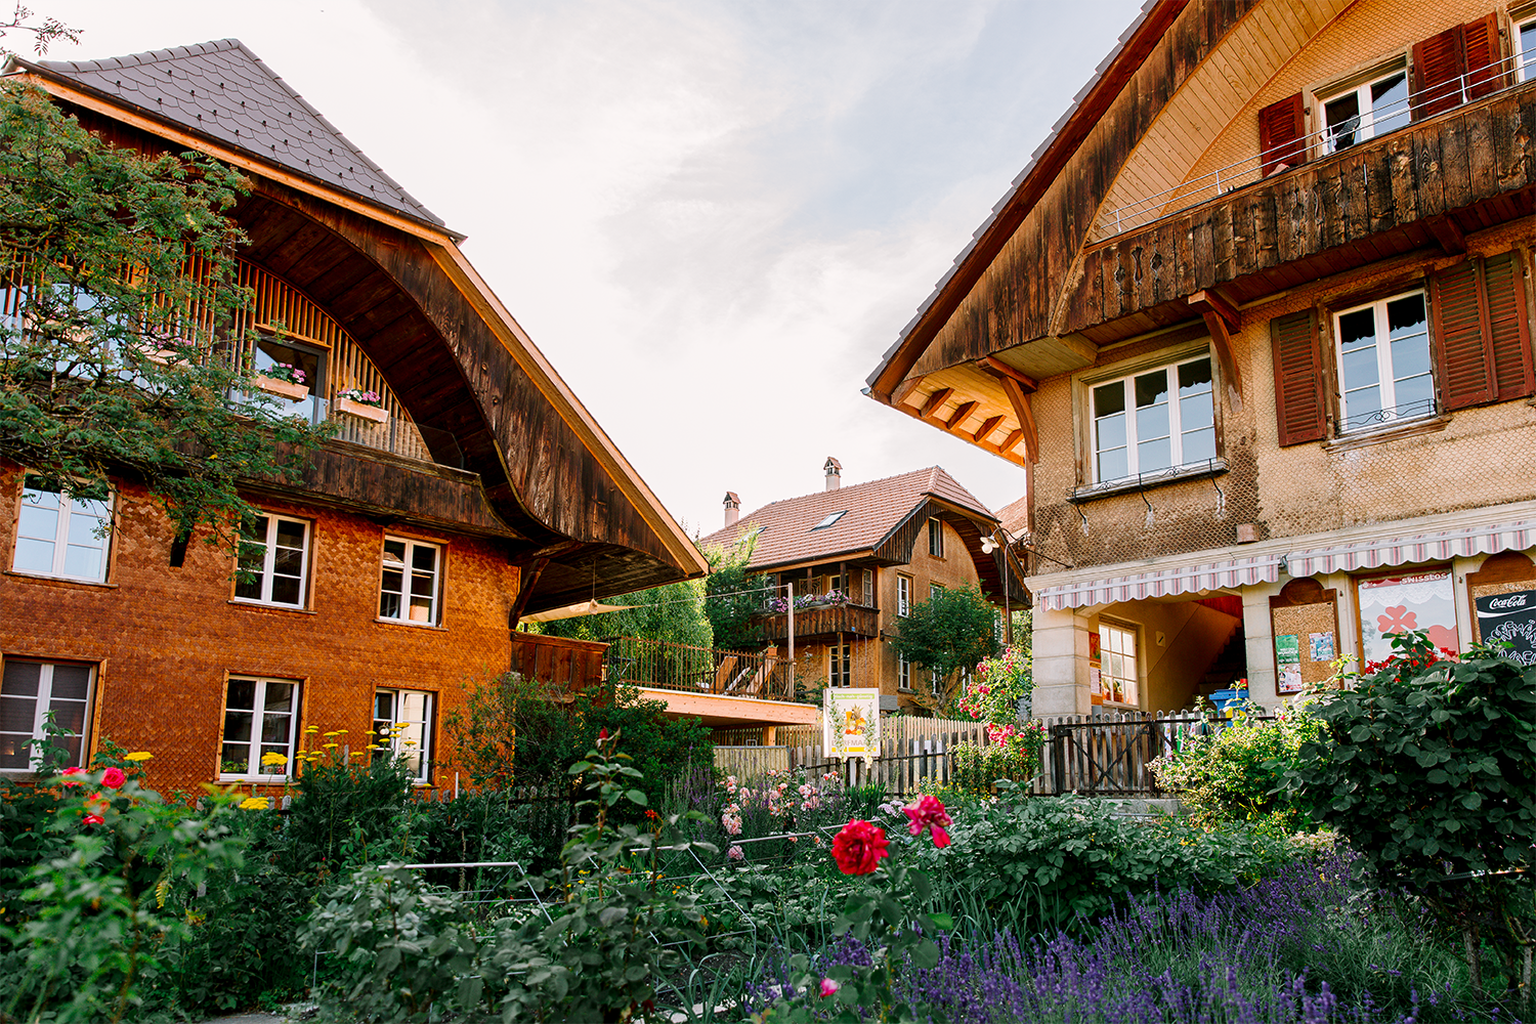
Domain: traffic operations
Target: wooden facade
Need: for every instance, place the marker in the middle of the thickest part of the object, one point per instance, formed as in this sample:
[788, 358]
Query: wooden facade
[1237, 188]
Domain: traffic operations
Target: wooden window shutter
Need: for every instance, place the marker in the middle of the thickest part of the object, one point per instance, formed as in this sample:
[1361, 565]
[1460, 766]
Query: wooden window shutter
[1460, 340]
[1484, 56]
[1299, 410]
[1508, 328]
[1439, 63]
[1282, 135]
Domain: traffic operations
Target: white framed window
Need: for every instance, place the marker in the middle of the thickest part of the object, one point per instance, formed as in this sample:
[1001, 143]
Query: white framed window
[274, 560]
[1525, 60]
[1157, 420]
[934, 590]
[62, 535]
[29, 692]
[402, 727]
[903, 595]
[1118, 669]
[903, 673]
[1364, 111]
[936, 538]
[261, 720]
[868, 596]
[839, 667]
[408, 587]
[1384, 362]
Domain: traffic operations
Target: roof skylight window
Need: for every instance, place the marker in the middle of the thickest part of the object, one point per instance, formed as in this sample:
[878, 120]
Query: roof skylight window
[834, 517]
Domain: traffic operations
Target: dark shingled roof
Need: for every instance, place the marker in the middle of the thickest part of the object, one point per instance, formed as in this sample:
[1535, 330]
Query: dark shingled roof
[225, 92]
[873, 510]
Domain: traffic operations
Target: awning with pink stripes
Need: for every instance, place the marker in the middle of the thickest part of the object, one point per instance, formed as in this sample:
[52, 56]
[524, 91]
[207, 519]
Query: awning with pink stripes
[1424, 547]
[1185, 579]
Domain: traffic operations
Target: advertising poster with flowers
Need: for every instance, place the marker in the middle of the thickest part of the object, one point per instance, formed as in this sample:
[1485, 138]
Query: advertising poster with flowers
[850, 722]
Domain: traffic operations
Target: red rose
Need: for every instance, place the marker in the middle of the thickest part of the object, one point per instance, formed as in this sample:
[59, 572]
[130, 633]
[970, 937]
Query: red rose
[859, 847]
[72, 771]
[929, 814]
[602, 733]
[112, 778]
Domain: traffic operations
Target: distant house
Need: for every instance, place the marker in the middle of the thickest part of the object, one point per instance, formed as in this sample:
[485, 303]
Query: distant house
[477, 490]
[861, 557]
[1258, 318]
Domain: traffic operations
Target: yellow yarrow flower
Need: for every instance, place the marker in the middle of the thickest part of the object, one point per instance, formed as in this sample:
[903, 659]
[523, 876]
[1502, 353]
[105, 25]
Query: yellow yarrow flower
[139, 755]
[273, 759]
[255, 803]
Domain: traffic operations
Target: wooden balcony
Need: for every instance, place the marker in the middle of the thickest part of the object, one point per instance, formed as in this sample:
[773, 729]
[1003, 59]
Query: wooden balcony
[822, 623]
[1427, 185]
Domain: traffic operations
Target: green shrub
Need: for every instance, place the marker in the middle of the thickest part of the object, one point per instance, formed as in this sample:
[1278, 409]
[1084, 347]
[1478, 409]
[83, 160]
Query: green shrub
[1238, 773]
[977, 769]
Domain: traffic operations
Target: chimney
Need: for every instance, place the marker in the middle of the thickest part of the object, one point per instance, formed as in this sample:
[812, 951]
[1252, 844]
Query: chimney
[732, 508]
[834, 471]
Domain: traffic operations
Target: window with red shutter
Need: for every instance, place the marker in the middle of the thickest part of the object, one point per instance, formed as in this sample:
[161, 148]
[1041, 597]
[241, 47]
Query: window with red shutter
[1282, 135]
[1299, 410]
[1509, 329]
[1484, 57]
[1439, 64]
[1461, 336]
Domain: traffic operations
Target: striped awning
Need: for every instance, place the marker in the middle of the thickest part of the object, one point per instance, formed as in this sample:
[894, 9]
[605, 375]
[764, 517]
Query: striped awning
[1424, 547]
[1184, 579]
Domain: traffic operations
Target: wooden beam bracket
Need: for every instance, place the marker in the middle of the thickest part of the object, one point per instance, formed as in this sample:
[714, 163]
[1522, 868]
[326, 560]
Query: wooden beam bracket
[1222, 316]
[1019, 399]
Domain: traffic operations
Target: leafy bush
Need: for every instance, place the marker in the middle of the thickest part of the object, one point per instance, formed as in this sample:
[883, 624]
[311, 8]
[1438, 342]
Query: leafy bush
[977, 769]
[1238, 773]
[1426, 768]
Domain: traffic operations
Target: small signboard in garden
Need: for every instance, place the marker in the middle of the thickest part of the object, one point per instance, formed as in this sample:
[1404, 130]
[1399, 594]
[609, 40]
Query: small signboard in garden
[1510, 619]
[850, 722]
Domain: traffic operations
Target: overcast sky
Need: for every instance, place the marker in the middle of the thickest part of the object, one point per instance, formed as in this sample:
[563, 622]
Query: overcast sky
[712, 217]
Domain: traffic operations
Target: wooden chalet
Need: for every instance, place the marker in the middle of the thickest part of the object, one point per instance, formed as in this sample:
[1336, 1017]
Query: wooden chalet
[477, 491]
[1257, 319]
[855, 560]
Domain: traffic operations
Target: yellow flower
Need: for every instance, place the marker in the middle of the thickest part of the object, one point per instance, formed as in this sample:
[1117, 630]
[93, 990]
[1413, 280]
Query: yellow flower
[272, 759]
[254, 803]
[139, 755]
[330, 734]
[331, 746]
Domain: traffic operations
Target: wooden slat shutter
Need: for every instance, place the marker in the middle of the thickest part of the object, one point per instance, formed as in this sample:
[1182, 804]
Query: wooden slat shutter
[1484, 56]
[1299, 410]
[1460, 340]
[1438, 65]
[1282, 135]
[1508, 327]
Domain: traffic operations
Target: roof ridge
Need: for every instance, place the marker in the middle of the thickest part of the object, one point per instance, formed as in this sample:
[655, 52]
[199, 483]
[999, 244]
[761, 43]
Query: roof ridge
[840, 489]
[310, 144]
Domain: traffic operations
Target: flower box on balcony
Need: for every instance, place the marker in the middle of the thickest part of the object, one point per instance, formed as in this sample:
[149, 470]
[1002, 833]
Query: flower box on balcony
[281, 388]
[363, 411]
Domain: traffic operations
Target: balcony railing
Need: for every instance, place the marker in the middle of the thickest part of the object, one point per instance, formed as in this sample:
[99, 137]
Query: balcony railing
[700, 670]
[1476, 83]
[822, 621]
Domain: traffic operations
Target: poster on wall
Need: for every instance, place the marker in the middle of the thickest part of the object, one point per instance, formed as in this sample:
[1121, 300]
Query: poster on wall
[850, 722]
[1288, 661]
[1424, 602]
[1321, 646]
[1510, 619]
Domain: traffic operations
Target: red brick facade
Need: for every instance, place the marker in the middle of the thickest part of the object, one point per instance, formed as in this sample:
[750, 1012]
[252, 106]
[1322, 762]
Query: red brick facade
[164, 639]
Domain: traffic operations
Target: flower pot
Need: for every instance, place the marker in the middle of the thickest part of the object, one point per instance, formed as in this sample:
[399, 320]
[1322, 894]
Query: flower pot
[281, 388]
[371, 413]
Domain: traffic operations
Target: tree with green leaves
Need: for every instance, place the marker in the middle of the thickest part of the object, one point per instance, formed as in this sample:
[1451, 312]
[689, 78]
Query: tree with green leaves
[118, 351]
[732, 597]
[954, 629]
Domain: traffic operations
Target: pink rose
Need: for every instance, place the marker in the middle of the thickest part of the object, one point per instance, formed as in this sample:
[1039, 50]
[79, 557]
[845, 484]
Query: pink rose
[928, 814]
[112, 778]
[828, 987]
[71, 783]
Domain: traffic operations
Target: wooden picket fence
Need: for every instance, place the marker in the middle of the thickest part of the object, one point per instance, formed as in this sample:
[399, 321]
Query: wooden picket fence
[1111, 754]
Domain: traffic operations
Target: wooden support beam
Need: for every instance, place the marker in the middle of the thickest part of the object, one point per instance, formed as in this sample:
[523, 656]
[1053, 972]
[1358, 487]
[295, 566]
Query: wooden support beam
[966, 408]
[935, 401]
[987, 426]
[906, 388]
[1222, 343]
[1448, 234]
[1013, 438]
[996, 449]
[1212, 301]
[527, 579]
[1019, 399]
[1000, 369]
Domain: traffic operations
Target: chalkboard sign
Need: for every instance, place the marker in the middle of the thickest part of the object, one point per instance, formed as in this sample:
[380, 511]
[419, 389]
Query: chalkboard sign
[1510, 618]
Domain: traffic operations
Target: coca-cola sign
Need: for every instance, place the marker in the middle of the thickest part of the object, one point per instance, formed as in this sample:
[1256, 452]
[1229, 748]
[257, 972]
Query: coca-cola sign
[1510, 619]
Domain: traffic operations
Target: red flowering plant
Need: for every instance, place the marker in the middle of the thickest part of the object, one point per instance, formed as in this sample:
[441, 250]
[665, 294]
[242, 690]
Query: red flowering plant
[881, 919]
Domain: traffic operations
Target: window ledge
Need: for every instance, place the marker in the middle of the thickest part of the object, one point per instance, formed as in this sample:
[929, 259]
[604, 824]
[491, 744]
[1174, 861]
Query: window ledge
[257, 780]
[1389, 432]
[265, 606]
[410, 624]
[1199, 471]
[67, 580]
